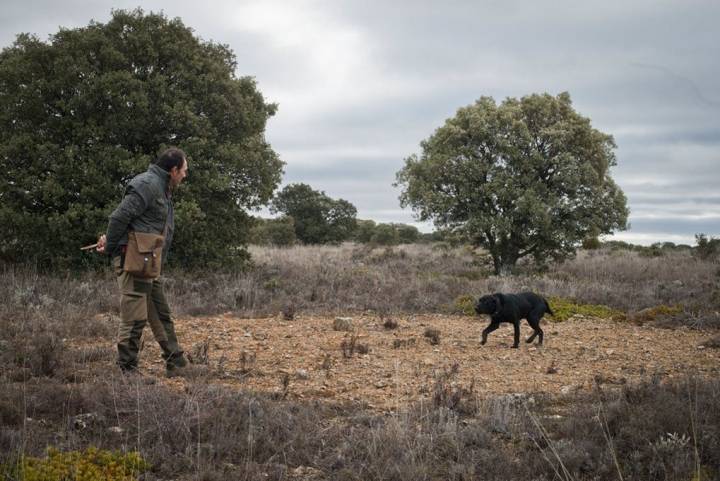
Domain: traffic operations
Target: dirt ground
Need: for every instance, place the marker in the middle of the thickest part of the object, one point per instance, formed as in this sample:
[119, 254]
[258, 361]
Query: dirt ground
[303, 357]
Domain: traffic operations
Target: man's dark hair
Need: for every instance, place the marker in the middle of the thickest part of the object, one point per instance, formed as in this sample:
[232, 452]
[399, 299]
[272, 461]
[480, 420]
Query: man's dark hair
[172, 157]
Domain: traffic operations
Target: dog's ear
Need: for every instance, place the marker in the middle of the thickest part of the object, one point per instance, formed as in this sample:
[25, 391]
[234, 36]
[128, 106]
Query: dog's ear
[499, 302]
[500, 299]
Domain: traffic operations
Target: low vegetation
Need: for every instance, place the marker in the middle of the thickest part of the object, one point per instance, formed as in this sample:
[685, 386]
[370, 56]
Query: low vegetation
[91, 464]
[563, 309]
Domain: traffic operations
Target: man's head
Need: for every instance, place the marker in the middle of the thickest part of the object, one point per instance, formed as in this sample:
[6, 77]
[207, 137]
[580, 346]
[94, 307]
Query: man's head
[174, 161]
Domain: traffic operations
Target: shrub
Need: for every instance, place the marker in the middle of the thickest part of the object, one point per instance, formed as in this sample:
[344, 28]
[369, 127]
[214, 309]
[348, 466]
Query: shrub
[564, 309]
[652, 314]
[91, 464]
[390, 324]
[433, 335]
[278, 232]
[707, 248]
[465, 304]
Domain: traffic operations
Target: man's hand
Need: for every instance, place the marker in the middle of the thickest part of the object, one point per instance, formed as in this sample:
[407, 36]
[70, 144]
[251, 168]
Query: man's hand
[101, 244]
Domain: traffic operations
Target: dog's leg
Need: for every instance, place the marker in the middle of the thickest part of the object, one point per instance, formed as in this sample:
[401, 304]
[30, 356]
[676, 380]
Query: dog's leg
[516, 327]
[488, 330]
[535, 324]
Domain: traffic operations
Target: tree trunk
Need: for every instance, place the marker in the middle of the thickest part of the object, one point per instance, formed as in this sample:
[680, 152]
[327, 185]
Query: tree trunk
[504, 264]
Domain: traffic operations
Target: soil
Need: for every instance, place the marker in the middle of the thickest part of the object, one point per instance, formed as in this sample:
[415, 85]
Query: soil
[303, 359]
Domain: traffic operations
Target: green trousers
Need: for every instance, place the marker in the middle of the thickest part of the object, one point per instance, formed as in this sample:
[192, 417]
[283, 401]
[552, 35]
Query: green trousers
[143, 302]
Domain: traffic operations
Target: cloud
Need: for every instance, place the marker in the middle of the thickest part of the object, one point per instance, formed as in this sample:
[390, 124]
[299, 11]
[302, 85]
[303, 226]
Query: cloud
[360, 84]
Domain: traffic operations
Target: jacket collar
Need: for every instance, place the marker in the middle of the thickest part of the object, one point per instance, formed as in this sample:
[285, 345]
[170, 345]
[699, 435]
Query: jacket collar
[162, 173]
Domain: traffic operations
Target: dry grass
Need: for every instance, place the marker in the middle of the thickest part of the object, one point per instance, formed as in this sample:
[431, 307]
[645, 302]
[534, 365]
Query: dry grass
[653, 431]
[336, 280]
[419, 278]
[647, 432]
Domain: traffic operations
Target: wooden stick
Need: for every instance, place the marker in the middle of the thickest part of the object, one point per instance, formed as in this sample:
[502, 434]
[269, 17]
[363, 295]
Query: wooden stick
[87, 248]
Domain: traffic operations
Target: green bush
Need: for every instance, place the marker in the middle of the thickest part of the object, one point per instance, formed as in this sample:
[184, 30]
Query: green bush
[707, 247]
[465, 304]
[564, 309]
[278, 232]
[90, 465]
[385, 234]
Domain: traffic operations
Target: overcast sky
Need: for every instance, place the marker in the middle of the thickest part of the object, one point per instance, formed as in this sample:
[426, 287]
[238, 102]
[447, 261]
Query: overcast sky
[360, 83]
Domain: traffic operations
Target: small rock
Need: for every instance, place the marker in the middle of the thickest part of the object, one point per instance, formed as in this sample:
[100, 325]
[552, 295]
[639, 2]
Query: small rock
[82, 421]
[325, 392]
[305, 473]
[381, 384]
[516, 399]
[610, 352]
[343, 324]
[302, 374]
[565, 389]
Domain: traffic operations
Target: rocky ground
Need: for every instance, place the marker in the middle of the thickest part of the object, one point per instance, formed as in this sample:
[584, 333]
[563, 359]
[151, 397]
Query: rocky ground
[386, 368]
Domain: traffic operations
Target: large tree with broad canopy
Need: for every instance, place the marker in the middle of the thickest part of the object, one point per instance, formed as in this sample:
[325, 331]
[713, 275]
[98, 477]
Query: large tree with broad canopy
[528, 177]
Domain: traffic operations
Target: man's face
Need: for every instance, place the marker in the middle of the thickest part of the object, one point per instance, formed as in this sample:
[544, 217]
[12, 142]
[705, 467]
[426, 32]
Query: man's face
[178, 174]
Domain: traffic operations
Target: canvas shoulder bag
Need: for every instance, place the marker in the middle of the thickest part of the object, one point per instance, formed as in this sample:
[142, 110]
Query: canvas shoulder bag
[143, 257]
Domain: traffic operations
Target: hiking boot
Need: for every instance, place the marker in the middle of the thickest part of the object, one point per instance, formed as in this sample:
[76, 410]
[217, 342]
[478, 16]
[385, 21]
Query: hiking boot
[176, 371]
[134, 375]
[189, 371]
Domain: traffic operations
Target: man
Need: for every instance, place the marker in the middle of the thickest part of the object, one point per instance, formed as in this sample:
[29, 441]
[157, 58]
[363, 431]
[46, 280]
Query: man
[146, 207]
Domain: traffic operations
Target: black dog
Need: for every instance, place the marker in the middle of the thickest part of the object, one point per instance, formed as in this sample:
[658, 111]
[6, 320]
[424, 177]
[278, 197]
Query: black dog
[512, 308]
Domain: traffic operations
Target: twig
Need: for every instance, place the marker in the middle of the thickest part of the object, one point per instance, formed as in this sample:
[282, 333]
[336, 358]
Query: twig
[546, 437]
[606, 434]
[197, 403]
[693, 408]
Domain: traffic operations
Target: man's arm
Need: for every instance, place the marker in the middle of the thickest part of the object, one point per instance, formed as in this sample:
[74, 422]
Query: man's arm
[132, 205]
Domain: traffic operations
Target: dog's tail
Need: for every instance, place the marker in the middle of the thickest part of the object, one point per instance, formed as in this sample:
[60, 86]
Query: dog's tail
[547, 307]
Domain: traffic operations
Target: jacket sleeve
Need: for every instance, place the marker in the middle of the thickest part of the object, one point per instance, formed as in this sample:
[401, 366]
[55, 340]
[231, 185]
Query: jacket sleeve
[132, 205]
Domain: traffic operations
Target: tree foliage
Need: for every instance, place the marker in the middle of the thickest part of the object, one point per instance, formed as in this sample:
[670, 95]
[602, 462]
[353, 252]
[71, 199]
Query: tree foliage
[278, 232]
[364, 230]
[368, 231]
[528, 177]
[707, 247]
[84, 112]
[319, 219]
[385, 234]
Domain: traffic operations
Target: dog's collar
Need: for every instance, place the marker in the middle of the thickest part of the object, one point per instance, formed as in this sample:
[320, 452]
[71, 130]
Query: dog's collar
[498, 306]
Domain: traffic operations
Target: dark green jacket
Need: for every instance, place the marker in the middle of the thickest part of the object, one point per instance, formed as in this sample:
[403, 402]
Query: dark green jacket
[145, 207]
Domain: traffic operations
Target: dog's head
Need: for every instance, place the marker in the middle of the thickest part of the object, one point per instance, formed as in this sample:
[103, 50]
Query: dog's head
[489, 304]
